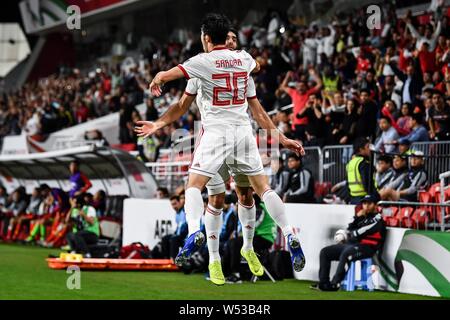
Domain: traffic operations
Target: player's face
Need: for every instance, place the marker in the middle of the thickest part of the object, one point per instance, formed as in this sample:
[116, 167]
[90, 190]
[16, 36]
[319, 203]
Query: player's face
[231, 42]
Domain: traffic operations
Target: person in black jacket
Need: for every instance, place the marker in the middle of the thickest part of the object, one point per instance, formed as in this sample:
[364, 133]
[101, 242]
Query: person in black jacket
[301, 182]
[364, 236]
[412, 81]
[279, 180]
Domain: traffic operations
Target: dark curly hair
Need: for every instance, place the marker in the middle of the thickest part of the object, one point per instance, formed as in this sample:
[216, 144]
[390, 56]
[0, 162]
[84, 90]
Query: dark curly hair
[216, 26]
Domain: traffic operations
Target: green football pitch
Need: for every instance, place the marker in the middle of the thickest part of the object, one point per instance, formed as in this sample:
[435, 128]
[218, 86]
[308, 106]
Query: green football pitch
[24, 274]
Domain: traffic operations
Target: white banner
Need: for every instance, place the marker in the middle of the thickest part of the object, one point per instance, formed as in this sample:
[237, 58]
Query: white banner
[147, 221]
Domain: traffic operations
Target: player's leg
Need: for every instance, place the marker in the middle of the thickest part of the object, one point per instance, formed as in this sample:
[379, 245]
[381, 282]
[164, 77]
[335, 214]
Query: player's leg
[213, 223]
[276, 209]
[206, 162]
[247, 218]
[249, 163]
[194, 211]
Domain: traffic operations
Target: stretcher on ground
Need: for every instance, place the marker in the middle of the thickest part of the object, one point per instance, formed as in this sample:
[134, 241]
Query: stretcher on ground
[66, 260]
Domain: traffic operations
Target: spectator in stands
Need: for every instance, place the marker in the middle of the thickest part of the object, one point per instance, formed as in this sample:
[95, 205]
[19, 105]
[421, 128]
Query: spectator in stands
[279, 180]
[404, 147]
[86, 228]
[412, 81]
[384, 172]
[415, 180]
[404, 119]
[400, 167]
[364, 236]
[346, 132]
[151, 114]
[80, 183]
[386, 141]
[301, 182]
[359, 172]
[418, 131]
[265, 235]
[170, 244]
[97, 137]
[315, 128]
[300, 96]
[429, 37]
[125, 121]
[439, 118]
[367, 116]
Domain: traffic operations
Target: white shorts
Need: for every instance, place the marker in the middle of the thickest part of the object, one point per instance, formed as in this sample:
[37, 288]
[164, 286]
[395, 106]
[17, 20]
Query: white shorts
[232, 145]
[216, 184]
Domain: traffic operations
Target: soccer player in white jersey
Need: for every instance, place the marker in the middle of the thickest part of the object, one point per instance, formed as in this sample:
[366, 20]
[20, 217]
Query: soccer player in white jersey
[226, 128]
[216, 186]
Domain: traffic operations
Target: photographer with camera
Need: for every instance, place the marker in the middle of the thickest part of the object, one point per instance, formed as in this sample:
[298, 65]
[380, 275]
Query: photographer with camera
[86, 228]
[364, 236]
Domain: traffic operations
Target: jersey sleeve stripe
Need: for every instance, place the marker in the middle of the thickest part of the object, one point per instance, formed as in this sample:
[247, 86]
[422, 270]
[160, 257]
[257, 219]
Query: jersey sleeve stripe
[253, 97]
[190, 94]
[184, 71]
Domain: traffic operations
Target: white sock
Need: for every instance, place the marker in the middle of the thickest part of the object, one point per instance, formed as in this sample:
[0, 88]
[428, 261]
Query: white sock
[193, 208]
[247, 217]
[275, 207]
[213, 225]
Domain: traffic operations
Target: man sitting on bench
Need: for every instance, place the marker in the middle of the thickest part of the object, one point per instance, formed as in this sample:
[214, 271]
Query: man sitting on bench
[364, 236]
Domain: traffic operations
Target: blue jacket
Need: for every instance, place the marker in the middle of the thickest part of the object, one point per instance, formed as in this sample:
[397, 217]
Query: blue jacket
[416, 135]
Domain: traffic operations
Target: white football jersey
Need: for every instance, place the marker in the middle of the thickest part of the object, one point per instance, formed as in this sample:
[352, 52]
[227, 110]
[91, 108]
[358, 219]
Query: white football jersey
[223, 76]
[193, 88]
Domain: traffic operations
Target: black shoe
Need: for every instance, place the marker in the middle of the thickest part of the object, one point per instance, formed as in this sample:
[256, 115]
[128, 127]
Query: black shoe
[233, 279]
[328, 287]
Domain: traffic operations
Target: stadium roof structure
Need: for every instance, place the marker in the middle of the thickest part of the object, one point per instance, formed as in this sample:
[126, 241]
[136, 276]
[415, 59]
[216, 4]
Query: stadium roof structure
[14, 47]
[113, 170]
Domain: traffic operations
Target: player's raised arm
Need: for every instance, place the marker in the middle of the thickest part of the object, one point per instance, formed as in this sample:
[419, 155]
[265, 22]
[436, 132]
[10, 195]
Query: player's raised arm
[175, 111]
[262, 118]
[162, 77]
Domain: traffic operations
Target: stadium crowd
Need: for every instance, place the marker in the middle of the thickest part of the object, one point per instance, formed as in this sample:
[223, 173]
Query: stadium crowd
[342, 79]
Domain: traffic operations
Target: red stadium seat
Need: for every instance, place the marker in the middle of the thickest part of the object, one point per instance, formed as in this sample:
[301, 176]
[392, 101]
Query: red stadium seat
[404, 214]
[418, 220]
[390, 216]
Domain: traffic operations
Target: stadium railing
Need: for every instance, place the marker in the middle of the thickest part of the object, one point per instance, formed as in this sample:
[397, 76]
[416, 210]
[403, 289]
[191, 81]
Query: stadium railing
[437, 157]
[334, 162]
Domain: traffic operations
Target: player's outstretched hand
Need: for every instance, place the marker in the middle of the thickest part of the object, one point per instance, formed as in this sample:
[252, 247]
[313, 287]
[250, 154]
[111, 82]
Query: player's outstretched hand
[294, 146]
[145, 128]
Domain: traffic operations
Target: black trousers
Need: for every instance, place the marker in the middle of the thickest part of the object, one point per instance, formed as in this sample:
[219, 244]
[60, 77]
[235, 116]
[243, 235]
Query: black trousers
[232, 253]
[344, 253]
[170, 245]
[79, 241]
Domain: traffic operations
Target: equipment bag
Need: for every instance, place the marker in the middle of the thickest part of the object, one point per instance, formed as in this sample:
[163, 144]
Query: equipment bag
[136, 250]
